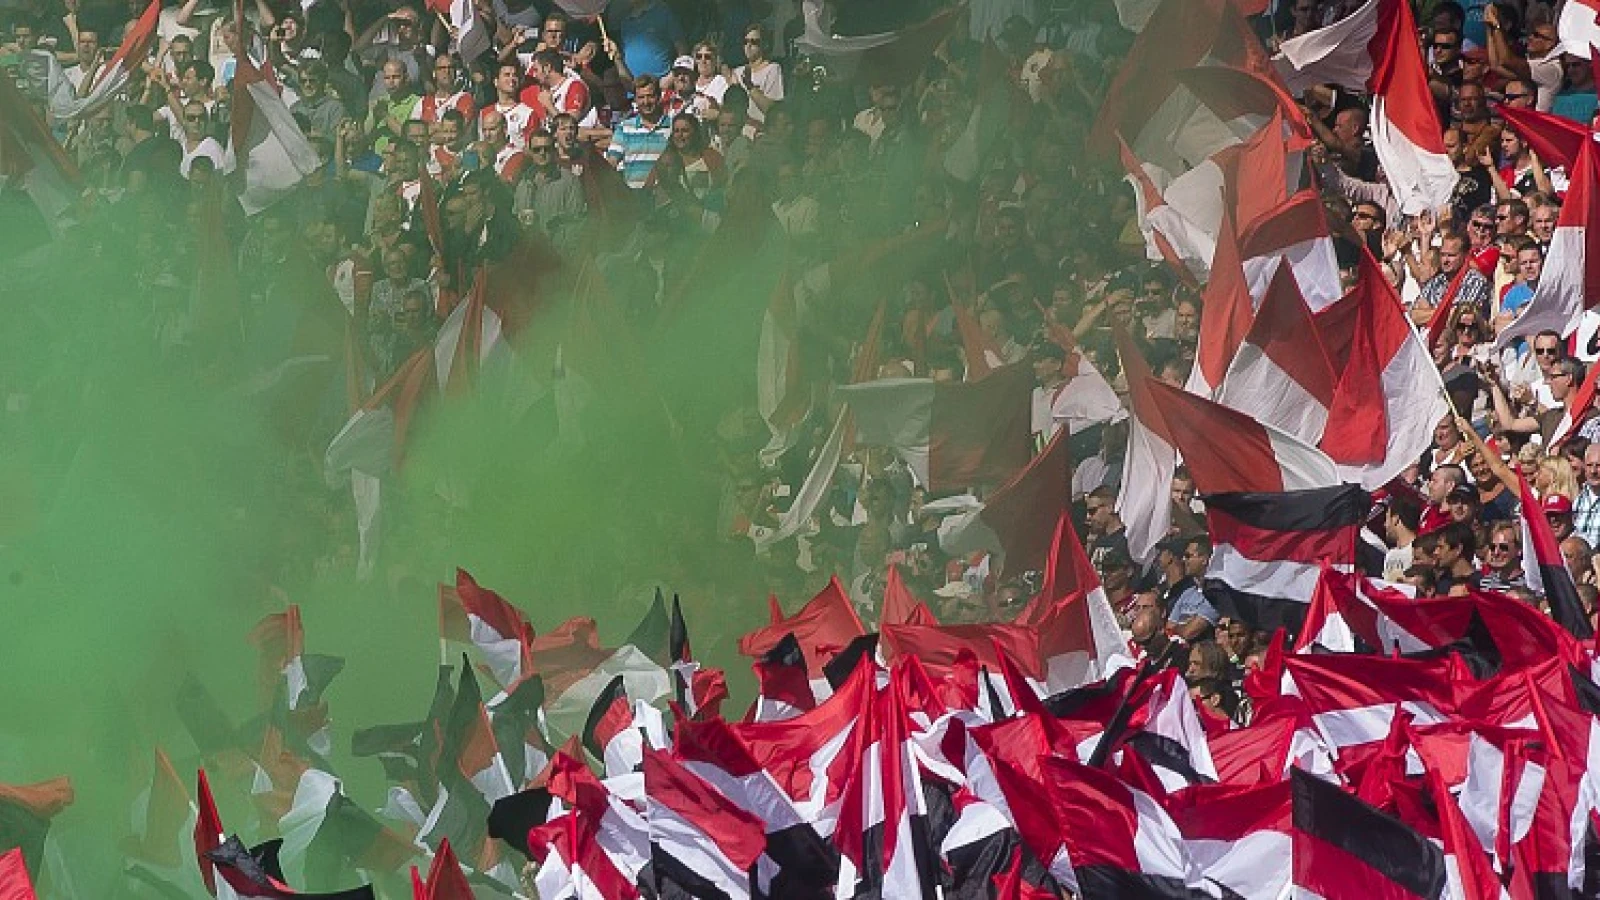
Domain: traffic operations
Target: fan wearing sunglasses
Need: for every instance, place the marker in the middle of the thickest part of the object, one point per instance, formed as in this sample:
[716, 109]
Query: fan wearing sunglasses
[1502, 557]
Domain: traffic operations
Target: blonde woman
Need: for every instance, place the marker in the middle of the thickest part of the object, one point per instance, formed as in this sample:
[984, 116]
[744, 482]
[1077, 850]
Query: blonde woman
[1555, 476]
[709, 81]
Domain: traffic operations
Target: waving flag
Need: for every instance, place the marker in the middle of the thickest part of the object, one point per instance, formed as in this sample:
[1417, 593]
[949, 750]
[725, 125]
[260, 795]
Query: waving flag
[1280, 373]
[824, 626]
[265, 145]
[951, 435]
[1147, 103]
[1295, 232]
[33, 160]
[1178, 217]
[1345, 848]
[1136, 848]
[1556, 139]
[1372, 442]
[25, 814]
[1226, 315]
[1374, 49]
[1144, 499]
[1268, 549]
[1577, 27]
[1016, 520]
[701, 841]
[1571, 280]
[1237, 835]
[113, 77]
[1546, 569]
[470, 613]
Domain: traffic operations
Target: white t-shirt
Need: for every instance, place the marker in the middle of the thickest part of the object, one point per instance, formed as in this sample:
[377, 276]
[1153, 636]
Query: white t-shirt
[769, 81]
[208, 148]
[711, 90]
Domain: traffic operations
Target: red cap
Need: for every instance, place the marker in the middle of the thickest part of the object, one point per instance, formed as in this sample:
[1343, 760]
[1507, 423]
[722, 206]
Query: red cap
[1556, 505]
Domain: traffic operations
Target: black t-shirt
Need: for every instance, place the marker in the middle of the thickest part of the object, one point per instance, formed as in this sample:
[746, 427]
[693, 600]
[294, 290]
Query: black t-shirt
[1100, 546]
[158, 157]
[1473, 190]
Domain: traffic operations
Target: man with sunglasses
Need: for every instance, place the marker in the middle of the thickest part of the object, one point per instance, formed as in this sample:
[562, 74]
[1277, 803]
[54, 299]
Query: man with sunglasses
[548, 197]
[1502, 557]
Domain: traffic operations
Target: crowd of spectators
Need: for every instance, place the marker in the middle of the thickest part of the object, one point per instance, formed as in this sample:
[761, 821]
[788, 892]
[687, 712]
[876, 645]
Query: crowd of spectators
[662, 134]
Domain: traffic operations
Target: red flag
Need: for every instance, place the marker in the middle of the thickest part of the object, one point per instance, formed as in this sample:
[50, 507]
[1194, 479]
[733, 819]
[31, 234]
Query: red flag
[14, 881]
[899, 607]
[445, 879]
[1226, 313]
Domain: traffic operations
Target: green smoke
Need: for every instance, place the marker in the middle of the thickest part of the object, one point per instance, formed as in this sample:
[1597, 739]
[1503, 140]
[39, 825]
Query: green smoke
[152, 509]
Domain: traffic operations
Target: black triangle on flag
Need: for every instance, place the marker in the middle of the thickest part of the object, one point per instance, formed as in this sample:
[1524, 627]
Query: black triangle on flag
[997, 706]
[512, 817]
[845, 661]
[1588, 692]
[678, 648]
[786, 652]
[597, 731]
[250, 872]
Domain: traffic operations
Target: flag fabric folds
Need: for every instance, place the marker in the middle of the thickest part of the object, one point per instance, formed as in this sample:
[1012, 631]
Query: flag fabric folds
[1374, 49]
[951, 435]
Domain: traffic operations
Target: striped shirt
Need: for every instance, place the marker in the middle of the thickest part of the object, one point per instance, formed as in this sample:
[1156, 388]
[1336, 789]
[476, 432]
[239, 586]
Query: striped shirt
[635, 147]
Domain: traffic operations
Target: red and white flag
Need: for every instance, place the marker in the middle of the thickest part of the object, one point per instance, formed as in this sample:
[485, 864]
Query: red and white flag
[1281, 374]
[1295, 232]
[470, 613]
[951, 435]
[823, 627]
[1134, 850]
[1238, 835]
[1570, 283]
[1226, 314]
[1016, 520]
[112, 77]
[1578, 29]
[1228, 451]
[33, 160]
[1375, 49]
[445, 879]
[1078, 634]
[1372, 442]
[1147, 104]
[1557, 139]
[265, 143]
[575, 668]
[701, 841]
[1144, 500]
[1353, 698]
[1177, 216]
[1545, 567]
